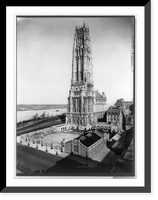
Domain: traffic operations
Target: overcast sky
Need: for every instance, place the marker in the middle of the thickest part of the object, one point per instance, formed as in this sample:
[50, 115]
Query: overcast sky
[44, 58]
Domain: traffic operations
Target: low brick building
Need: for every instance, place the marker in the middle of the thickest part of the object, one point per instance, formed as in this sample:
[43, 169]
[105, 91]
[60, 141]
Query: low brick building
[86, 145]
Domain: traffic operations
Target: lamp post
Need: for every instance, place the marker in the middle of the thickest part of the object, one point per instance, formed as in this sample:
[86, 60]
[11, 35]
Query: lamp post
[51, 145]
[42, 143]
[46, 148]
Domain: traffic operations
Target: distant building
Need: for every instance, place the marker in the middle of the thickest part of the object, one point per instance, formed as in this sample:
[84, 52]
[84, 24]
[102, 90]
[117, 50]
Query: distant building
[115, 117]
[86, 145]
[85, 104]
[131, 113]
[125, 105]
[59, 127]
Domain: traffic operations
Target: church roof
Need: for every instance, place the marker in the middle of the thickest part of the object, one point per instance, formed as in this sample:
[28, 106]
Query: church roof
[119, 103]
[98, 95]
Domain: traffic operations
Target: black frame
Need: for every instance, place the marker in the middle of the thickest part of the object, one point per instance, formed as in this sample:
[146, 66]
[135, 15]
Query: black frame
[147, 187]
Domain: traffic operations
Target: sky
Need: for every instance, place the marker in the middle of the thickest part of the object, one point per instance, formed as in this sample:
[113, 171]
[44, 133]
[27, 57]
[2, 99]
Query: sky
[44, 57]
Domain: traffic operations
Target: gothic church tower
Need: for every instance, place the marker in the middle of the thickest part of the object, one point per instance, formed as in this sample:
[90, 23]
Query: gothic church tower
[81, 98]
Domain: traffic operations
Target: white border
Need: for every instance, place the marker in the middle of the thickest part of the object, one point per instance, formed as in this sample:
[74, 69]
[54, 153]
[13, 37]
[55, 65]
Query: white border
[139, 13]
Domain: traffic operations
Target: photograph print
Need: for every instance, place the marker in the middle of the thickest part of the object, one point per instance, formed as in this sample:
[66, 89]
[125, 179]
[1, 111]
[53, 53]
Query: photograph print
[75, 96]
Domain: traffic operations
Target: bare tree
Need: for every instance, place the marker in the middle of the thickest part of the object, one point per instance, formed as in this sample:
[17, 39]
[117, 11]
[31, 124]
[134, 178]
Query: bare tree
[35, 117]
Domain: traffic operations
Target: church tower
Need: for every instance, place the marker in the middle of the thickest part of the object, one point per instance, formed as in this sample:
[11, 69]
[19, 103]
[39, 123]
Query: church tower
[82, 57]
[81, 98]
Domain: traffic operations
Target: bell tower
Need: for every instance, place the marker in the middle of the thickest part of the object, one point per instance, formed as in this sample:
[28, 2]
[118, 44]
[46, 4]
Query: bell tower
[82, 57]
[81, 94]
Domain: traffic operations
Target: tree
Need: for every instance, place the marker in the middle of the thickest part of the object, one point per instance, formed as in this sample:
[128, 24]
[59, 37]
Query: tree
[35, 117]
[43, 115]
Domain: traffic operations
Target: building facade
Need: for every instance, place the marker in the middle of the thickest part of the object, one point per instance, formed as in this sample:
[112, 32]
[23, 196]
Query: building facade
[59, 127]
[85, 104]
[115, 117]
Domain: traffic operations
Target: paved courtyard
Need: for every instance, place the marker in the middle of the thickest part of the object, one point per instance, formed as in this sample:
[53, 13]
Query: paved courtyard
[28, 151]
[57, 138]
[50, 143]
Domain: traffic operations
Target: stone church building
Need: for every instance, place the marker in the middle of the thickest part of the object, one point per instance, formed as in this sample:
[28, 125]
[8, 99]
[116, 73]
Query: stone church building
[85, 104]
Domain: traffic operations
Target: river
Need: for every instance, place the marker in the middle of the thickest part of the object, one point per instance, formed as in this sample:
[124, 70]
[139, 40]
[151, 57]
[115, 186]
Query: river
[28, 114]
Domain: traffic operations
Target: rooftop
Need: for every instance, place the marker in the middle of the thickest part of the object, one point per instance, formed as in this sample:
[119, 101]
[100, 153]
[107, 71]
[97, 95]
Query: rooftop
[114, 110]
[97, 94]
[119, 103]
[89, 139]
[101, 154]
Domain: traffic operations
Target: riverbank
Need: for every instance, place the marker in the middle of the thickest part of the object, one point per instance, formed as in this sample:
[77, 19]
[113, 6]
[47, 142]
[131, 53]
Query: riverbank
[26, 107]
[28, 114]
